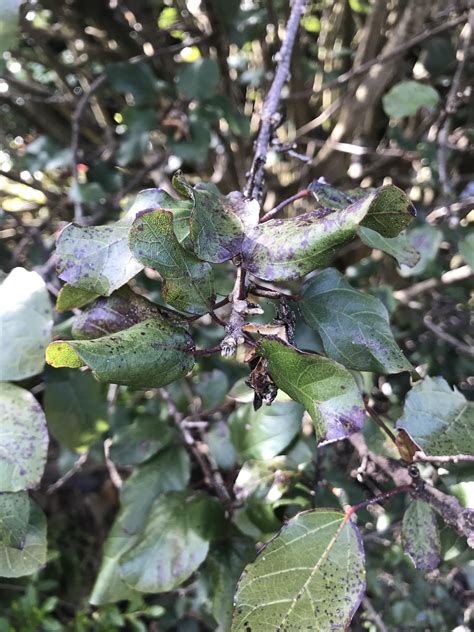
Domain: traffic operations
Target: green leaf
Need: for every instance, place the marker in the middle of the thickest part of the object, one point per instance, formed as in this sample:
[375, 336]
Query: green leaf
[289, 248]
[426, 240]
[420, 535]
[97, 258]
[70, 297]
[199, 79]
[107, 315]
[188, 282]
[168, 471]
[75, 409]
[218, 223]
[16, 562]
[265, 433]
[310, 576]
[397, 247]
[26, 320]
[407, 97]
[438, 419]
[14, 517]
[23, 439]
[150, 354]
[140, 440]
[325, 388]
[466, 248]
[174, 542]
[354, 327]
[220, 445]
[221, 572]
[212, 387]
[9, 24]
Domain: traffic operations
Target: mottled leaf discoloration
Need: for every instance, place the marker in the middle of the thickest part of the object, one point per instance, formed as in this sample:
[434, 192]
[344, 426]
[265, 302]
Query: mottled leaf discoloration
[289, 248]
[107, 315]
[23, 439]
[420, 536]
[150, 354]
[218, 223]
[325, 388]
[311, 576]
[188, 282]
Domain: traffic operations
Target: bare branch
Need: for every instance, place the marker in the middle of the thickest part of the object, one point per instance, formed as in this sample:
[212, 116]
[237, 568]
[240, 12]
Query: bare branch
[269, 120]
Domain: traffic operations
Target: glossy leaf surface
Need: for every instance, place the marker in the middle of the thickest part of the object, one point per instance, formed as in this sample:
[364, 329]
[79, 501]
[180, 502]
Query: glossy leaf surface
[26, 320]
[150, 354]
[310, 576]
[353, 326]
[23, 439]
[438, 418]
[188, 282]
[325, 388]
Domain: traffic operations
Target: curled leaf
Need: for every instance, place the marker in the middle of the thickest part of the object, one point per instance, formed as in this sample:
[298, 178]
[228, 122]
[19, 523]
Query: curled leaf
[150, 354]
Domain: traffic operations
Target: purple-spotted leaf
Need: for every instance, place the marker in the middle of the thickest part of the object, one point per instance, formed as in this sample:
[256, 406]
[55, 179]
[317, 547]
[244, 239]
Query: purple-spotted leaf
[420, 535]
[311, 576]
[218, 223]
[150, 354]
[174, 542]
[289, 248]
[426, 240]
[354, 326]
[23, 439]
[325, 388]
[26, 320]
[97, 258]
[71, 297]
[110, 314]
[438, 419]
[188, 281]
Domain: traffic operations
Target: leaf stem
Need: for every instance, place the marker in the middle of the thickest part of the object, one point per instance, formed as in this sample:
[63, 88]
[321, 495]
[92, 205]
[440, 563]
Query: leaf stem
[208, 351]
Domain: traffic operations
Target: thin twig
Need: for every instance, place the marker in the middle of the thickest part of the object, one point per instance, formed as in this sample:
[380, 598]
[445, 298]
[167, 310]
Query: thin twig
[69, 474]
[376, 500]
[451, 340]
[452, 276]
[396, 52]
[208, 351]
[254, 186]
[298, 196]
[111, 468]
[373, 615]
[380, 422]
[455, 458]
[212, 475]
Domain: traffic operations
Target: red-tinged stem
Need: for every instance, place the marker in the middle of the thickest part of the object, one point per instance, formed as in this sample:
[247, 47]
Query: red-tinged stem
[298, 196]
[352, 509]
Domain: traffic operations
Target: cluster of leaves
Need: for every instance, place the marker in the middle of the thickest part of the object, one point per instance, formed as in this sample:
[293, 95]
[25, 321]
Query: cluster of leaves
[166, 530]
[205, 480]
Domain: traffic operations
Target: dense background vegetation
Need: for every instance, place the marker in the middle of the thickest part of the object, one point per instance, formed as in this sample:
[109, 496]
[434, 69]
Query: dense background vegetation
[99, 100]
